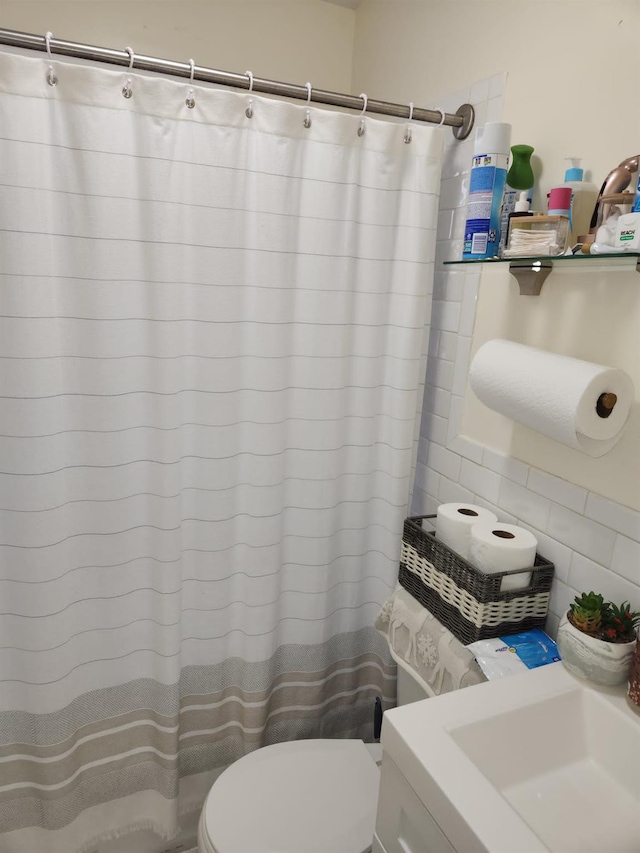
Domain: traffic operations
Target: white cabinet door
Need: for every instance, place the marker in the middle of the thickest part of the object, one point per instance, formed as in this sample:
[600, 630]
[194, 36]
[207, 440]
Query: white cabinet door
[403, 824]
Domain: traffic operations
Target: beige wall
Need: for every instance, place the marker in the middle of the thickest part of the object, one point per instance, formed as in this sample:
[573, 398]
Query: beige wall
[567, 62]
[571, 64]
[594, 316]
[289, 40]
[569, 92]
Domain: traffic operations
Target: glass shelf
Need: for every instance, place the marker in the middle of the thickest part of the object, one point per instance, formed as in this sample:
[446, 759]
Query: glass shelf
[580, 258]
[532, 272]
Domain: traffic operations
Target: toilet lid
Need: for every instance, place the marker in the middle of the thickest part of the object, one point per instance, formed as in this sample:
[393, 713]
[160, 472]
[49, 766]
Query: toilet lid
[309, 796]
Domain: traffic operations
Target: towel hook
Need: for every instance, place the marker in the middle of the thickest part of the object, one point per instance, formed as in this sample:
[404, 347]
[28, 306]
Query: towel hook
[127, 89]
[365, 101]
[408, 135]
[190, 101]
[307, 115]
[52, 80]
[249, 110]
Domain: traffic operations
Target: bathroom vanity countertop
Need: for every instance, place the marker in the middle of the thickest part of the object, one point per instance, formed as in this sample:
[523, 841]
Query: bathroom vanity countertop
[495, 760]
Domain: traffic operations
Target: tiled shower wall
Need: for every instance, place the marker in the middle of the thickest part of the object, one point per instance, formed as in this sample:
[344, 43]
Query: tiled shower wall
[594, 542]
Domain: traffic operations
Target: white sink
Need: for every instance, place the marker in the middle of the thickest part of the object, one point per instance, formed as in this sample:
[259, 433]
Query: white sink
[569, 765]
[535, 762]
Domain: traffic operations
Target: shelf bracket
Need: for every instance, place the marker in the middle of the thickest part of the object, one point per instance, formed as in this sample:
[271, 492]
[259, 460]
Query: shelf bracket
[530, 275]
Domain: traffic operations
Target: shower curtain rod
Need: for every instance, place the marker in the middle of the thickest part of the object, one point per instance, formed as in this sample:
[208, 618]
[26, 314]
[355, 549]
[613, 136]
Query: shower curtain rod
[461, 121]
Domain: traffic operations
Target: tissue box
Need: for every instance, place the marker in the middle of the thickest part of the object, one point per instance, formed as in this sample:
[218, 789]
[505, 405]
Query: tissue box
[465, 600]
[538, 235]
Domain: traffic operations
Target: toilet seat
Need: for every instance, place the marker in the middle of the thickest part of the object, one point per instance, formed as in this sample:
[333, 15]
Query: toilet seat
[309, 796]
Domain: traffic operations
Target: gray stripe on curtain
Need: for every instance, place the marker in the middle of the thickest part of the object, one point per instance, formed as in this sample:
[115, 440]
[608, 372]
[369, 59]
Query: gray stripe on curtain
[108, 743]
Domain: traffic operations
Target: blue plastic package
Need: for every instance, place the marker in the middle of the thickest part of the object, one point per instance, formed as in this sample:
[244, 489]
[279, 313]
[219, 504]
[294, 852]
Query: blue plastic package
[514, 653]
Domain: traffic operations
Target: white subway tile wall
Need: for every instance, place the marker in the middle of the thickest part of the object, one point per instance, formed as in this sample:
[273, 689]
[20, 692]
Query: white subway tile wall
[593, 542]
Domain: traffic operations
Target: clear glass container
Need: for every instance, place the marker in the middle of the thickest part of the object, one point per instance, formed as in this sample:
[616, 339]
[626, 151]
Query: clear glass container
[541, 235]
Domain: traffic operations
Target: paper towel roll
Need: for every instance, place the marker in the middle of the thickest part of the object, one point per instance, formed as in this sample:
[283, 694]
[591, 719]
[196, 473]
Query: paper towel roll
[454, 522]
[502, 548]
[556, 395]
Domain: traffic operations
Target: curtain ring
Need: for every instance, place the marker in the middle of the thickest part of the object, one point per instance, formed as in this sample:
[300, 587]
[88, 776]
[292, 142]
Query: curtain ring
[52, 80]
[408, 133]
[127, 89]
[307, 115]
[249, 110]
[365, 101]
[190, 101]
[443, 115]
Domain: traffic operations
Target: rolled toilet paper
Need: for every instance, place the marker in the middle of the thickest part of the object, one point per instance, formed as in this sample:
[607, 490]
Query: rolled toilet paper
[578, 403]
[454, 522]
[502, 548]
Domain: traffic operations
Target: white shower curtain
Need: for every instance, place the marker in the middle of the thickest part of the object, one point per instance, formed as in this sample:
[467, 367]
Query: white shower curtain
[211, 349]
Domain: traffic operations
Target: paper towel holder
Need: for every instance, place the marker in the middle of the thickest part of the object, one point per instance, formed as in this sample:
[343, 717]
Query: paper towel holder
[605, 404]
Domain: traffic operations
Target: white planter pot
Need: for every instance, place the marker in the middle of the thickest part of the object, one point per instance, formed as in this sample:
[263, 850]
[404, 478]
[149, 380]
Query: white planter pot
[596, 660]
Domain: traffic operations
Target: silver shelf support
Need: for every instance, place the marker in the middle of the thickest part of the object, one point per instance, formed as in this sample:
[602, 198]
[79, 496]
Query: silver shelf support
[530, 275]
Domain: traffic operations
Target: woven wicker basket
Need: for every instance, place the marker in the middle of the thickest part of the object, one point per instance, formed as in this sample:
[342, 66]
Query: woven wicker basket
[466, 601]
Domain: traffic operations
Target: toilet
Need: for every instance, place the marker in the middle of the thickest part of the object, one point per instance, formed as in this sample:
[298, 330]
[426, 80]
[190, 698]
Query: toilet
[305, 796]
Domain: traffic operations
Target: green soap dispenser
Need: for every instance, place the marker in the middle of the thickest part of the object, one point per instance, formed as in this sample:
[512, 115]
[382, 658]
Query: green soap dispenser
[520, 174]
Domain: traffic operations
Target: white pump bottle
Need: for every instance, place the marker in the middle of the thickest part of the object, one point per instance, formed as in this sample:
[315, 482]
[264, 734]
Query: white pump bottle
[583, 199]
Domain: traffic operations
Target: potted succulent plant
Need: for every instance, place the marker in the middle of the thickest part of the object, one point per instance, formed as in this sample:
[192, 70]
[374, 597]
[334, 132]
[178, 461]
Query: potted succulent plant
[597, 638]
